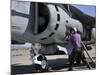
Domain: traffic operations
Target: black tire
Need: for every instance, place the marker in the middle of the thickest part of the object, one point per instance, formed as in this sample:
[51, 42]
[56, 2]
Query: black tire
[38, 67]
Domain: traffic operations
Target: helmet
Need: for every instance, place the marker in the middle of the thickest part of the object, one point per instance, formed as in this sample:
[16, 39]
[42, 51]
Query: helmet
[75, 29]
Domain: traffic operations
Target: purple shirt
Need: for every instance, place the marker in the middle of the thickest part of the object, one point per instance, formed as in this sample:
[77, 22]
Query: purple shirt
[75, 40]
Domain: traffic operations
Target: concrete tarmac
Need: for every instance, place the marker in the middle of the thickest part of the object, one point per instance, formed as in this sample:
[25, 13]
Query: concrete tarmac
[21, 64]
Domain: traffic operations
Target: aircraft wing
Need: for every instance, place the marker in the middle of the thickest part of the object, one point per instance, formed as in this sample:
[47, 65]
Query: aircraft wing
[83, 17]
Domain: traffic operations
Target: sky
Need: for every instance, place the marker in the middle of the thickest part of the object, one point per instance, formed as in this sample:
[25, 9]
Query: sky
[88, 9]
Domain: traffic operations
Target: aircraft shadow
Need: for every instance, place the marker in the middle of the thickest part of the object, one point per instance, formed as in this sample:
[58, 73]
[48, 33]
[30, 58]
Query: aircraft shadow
[56, 65]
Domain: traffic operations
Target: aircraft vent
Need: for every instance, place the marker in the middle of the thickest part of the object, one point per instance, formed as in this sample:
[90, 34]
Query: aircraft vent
[56, 8]
[58, 17]
[57, 25]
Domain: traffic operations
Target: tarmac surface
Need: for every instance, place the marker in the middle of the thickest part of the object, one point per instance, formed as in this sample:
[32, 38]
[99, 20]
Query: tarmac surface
[57, 63]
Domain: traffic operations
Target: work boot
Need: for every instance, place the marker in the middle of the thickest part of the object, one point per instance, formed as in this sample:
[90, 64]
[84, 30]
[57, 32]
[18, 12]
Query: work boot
[70, 69]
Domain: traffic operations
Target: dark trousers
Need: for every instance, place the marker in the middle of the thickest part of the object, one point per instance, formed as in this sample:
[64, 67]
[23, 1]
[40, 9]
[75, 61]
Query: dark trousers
[78, 55]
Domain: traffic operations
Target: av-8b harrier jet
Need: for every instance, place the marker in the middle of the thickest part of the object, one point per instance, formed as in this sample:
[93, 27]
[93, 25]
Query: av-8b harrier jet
[48, 23]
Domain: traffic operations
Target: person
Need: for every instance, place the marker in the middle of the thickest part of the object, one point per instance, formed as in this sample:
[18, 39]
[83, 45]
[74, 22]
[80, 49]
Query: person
[77, 52]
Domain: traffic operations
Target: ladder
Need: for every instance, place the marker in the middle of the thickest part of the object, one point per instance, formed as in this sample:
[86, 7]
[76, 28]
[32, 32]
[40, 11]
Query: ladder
[86, 50]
